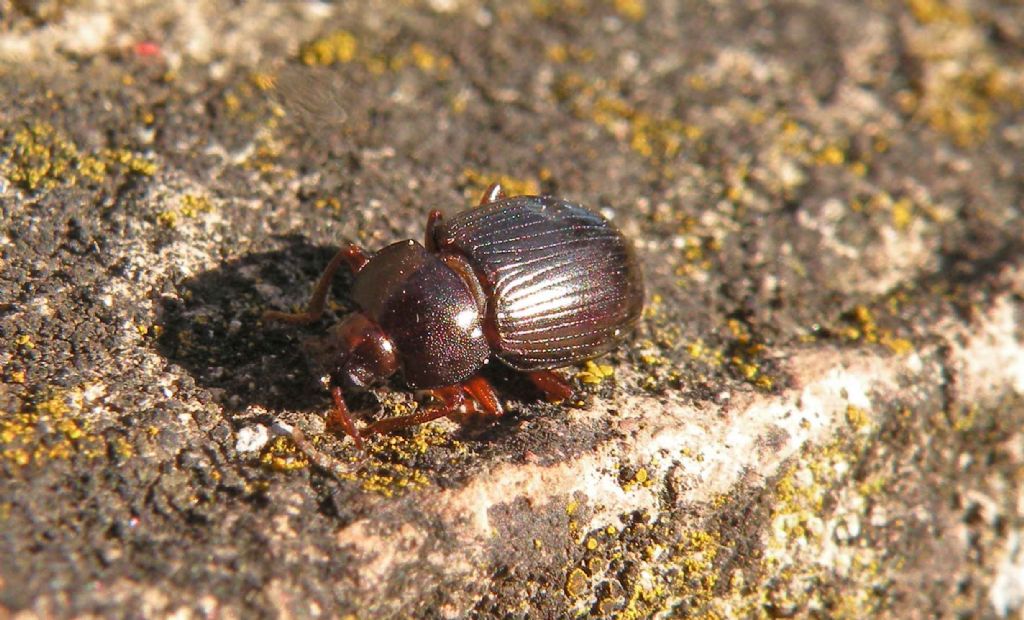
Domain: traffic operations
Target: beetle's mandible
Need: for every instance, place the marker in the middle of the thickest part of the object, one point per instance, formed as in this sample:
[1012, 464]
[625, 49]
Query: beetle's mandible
[534, 281]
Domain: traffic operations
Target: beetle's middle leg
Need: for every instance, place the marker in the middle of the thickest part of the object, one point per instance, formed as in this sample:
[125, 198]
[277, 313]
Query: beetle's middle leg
[433, 221]
[483, 403]
[493, 193]
[353, 256]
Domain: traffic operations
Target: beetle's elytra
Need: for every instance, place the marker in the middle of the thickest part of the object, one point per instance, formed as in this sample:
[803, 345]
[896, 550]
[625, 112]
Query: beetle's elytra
[534, 281]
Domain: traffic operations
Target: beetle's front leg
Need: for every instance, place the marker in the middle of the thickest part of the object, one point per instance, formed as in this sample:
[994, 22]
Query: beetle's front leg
[340, 416]
[452, 399]
[353, 256]
[463, 402]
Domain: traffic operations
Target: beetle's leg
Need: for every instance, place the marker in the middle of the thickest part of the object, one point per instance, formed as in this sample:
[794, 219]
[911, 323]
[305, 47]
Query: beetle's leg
[452, 399]
[554, 386]
[339, 416]
[483, 396]
[353, 256]
[493, 193]
[433, 220]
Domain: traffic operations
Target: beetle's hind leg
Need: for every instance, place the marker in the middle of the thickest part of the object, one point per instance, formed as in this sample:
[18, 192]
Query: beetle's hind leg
[553, 385]
[353, 256]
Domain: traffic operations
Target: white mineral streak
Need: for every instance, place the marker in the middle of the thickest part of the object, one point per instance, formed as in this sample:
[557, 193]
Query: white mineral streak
[1007, 591]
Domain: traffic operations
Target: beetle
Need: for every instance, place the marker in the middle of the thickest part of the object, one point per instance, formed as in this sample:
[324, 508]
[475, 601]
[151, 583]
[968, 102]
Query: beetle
[534, 281]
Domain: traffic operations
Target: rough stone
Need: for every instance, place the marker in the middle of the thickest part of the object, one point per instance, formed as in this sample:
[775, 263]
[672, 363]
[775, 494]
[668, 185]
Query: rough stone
[820, 413]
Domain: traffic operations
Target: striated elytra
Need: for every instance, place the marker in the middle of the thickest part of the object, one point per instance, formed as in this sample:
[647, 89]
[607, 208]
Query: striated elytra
[534, 281]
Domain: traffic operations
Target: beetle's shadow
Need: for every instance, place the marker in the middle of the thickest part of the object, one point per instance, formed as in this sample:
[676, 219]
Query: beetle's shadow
[212, 327]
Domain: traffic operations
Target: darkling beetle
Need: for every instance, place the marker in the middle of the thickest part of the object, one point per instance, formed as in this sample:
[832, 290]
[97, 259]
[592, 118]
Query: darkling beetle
[535, 281]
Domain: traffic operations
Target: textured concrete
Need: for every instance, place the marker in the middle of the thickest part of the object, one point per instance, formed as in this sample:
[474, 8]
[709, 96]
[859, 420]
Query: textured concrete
[819, 415]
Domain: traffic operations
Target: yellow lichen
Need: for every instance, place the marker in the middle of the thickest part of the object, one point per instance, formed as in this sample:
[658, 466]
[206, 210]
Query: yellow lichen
[857, 418]
[631, 9]
[281, 454]
[426, 59]
[263, 81]
[964, 80]
[335, 48]
[576, 584]
[190, 206]
[865, 328]
[546, 8]
[122, 448]
[831, 155]
[902, 214]
[49, 429]
[477, 181]
[595, 374]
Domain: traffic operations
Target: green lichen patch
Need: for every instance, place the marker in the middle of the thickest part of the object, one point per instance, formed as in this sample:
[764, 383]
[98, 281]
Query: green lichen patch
[36, 156]
[650, 566]
[964, 81]
[390, 466]
[343, 47]
[50, 427]
[189, 207]
[656, 137]
[477, 181]
[862, 326]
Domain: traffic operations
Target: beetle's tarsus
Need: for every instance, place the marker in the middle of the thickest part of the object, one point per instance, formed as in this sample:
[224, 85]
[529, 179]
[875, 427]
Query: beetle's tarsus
[339, 416]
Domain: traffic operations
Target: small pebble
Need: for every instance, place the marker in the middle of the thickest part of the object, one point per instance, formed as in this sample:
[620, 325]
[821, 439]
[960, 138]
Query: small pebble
[252, 438]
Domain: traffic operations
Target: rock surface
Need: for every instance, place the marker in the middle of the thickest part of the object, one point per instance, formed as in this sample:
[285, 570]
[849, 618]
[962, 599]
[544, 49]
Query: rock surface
[821, 411]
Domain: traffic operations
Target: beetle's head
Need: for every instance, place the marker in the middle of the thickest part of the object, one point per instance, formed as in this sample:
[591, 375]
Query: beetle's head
[354, 353]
